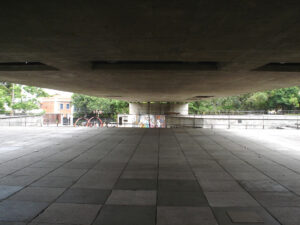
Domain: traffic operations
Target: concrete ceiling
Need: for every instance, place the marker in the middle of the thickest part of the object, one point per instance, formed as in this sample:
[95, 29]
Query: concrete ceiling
[151, 50]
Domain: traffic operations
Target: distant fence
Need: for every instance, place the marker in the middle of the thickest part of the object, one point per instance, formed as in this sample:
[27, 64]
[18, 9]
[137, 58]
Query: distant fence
[236, 121]
[255, 112]
[22, 120]
[242, 121]
[53, 120]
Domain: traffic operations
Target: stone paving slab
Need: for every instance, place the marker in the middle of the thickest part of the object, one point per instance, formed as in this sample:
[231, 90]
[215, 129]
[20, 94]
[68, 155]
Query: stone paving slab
[243, 215]
[262, 186]
[33, 171]
[84, 196]
[63, 172]
[129, 197]
[140, 174]
[136, 184]
[213, 176]
[286, 215]
[20, 210]
[169, 175]
[178, 185]
[185, 216]
[68, 176]
[230, 199]
[38, 194]
[181, 198]
[126, 215]
[237, 216]
[220, 186]
[272, 199]
[18, 180]
[12, 223]
[6, 191]
[69, 213]
[55, 182]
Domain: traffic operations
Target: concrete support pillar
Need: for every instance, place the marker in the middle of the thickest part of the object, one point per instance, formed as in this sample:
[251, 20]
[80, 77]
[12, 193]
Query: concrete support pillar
[157, 108]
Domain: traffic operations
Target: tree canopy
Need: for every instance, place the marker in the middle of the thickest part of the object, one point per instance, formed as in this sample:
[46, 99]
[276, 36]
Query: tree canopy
[88, 105]
[277, 99]
[25, 99]
[19, 97]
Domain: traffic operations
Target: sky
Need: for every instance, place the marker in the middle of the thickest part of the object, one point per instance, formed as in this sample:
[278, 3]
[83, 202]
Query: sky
[53, 92]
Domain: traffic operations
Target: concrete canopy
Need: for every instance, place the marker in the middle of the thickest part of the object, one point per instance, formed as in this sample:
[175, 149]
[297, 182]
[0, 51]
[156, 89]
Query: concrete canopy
[151, 50]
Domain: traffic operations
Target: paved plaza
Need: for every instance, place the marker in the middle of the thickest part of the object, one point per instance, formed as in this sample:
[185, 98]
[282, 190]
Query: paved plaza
[126, 176]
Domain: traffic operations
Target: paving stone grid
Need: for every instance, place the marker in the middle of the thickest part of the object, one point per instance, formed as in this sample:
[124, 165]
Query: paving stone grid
[123, 176]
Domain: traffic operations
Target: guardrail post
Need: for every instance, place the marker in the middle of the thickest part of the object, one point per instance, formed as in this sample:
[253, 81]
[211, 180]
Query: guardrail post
[263, 122]
[297, 122]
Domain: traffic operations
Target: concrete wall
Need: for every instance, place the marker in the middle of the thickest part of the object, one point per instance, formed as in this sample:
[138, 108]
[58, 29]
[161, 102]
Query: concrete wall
[158, 108]
[172, 121]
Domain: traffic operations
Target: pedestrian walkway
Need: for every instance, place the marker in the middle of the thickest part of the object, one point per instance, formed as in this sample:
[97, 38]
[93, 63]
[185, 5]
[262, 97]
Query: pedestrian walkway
[127, 176]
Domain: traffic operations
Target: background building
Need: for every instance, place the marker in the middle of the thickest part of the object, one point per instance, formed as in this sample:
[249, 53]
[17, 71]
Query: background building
[58, 108]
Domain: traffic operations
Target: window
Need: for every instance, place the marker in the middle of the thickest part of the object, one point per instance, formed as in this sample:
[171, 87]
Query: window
[61, 106]
[68, 106]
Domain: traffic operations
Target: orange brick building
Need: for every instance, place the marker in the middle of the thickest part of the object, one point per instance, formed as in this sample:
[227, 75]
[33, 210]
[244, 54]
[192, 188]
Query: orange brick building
[59, 106]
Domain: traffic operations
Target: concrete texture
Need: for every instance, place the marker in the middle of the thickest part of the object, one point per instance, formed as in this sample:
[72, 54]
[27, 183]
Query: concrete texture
[157, 108]
[121, 176]
[151, 50]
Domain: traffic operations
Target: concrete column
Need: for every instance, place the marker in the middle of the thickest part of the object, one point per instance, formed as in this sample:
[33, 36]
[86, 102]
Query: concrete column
[157, 108]
[181, 108]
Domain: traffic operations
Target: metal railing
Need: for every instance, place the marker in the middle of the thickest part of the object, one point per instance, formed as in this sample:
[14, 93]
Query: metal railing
[235, 119]
[241, 121]
[21, 120]
[255, 112]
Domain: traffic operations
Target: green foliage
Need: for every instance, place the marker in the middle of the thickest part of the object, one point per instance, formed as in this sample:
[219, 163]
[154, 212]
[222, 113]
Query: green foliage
[215, 105]
[25, 97]
[27, 105]
[278, 99]
[88, 105]
[257, 101]
[284, 98]
[36, 91]
[5, 96]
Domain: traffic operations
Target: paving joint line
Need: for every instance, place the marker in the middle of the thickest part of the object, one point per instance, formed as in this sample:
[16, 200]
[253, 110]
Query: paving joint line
[235, 179]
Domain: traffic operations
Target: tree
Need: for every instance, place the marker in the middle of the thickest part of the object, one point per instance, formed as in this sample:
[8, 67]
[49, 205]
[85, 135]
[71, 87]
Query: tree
[36, 91]
[284, 98]
[88, 105]
[257, 101]
[19, 97]
[200, 107]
